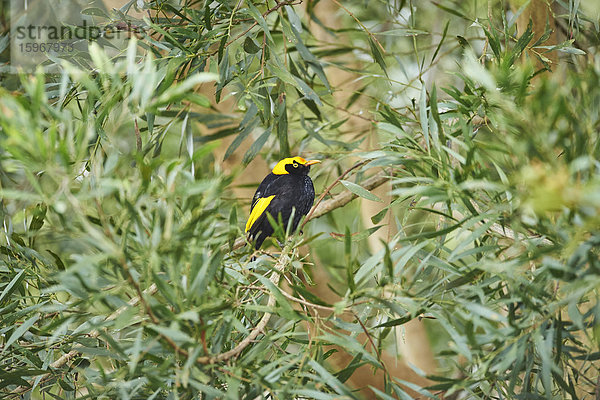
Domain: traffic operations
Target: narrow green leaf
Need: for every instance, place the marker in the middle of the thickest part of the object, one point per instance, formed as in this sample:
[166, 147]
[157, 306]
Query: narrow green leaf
[207, 15]
[97, 12]
[218, 135]
[355, 96]
[282, 126]
[349, 261]
[493, 40]
[221, 53]
[433, 106]
[17, 333]
[521, 44]
[180, 90]
[172, 333]
[293, 18]
[347, 372]
[285, 309]
[395, 322]
[439, 46]
[331, 380]
[377, 55]
[360, 191]
[257, 15]
[351, 345]
[423, 117]
[377, 218]
[12, 285]
[250, 46]
[59, 264]
[240, 138]
[310, 296]
[256, 146]
[4, 42]
[150, 117]
[452, 11]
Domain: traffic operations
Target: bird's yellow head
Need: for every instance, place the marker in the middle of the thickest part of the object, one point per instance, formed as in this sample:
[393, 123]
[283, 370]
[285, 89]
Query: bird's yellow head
[294, 165]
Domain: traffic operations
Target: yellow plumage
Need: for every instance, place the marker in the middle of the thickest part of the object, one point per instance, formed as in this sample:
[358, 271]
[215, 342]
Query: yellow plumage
[259, 208]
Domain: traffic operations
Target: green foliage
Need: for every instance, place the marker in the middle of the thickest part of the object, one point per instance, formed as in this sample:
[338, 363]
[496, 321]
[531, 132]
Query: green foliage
[118, 278]
[516, 249]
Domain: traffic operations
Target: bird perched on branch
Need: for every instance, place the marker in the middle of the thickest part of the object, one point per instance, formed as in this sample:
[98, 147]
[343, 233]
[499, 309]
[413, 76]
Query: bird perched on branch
[288, 187]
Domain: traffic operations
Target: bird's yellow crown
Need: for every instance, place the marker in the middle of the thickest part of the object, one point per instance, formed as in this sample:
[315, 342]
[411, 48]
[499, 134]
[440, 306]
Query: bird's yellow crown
[280, 167]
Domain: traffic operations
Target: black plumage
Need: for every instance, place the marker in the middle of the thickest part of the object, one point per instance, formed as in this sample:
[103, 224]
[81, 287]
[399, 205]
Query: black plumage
[284, 189]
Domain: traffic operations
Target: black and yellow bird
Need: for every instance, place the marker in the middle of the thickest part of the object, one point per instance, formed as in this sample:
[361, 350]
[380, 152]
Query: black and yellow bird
[287, 187]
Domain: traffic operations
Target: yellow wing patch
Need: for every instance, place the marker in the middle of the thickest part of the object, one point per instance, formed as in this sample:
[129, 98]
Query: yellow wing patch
[260, 206]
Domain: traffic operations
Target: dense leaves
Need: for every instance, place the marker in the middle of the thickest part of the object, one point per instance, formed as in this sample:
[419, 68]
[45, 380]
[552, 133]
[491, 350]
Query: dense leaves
[119, 277]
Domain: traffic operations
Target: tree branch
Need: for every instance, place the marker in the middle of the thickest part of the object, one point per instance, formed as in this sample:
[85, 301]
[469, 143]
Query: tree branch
[346, 197]
[312, 210]
[279, 268]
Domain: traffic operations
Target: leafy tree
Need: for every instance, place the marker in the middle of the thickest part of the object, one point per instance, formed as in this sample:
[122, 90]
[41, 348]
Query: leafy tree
[125, 181]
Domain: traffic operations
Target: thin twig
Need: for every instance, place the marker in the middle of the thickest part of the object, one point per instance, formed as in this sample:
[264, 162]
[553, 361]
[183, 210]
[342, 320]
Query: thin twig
[279, 268]
[269, 11]
[312, 305]
[138, 137]
[307, 303]
[139, 292]
[375, 349]
[361, 25]
[148, 309]
[231, 17]
[342, 176]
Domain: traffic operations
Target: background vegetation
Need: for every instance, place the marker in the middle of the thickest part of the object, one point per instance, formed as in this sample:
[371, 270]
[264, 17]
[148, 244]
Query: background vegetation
[468, 268]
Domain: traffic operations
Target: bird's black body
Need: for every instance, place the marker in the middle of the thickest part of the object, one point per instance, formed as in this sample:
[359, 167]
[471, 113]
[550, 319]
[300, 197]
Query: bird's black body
[292, 189]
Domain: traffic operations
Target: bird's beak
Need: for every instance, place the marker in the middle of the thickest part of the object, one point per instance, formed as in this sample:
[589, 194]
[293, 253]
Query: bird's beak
[312, 162]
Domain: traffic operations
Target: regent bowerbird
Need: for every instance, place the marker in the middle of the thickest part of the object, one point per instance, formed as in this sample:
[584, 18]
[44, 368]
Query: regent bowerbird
[288, 187]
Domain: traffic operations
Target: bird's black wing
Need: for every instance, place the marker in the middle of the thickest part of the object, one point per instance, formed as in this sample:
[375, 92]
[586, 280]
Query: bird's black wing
[266, 192]
[264, 188]
[278, 198]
